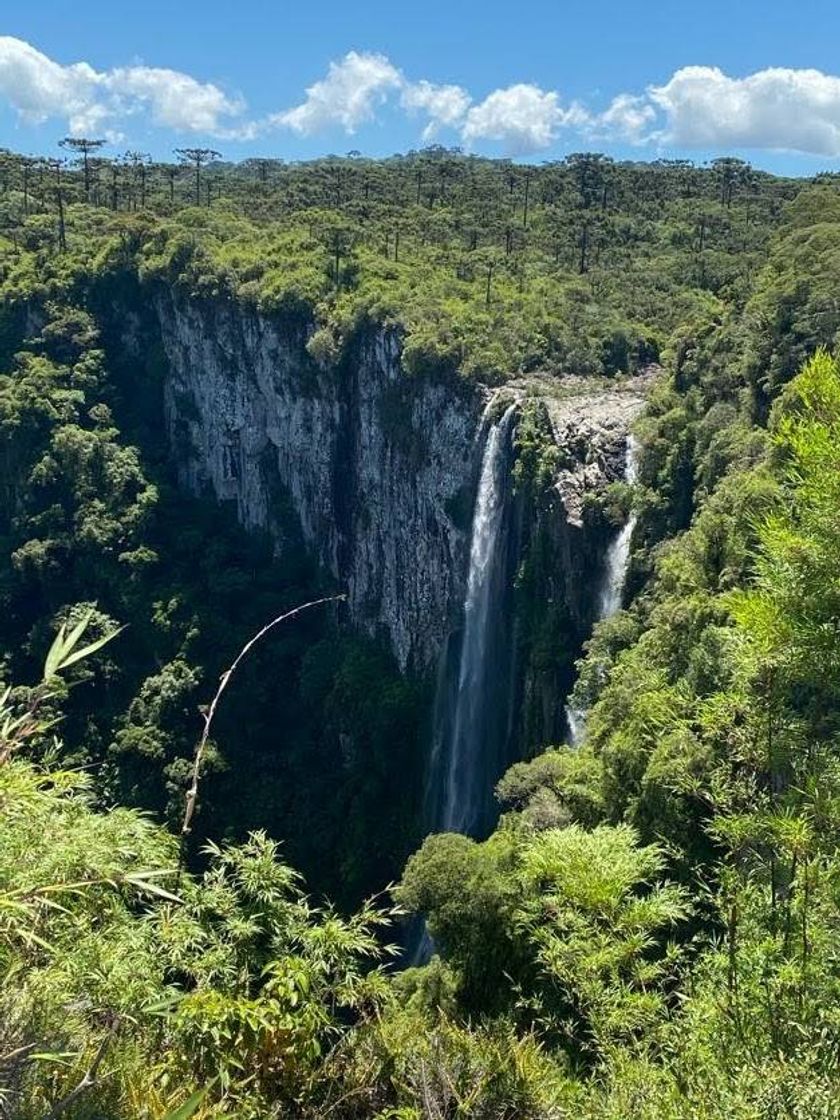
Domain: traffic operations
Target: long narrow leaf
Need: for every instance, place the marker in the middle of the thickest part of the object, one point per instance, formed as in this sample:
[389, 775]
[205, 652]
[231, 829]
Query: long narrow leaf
[86, 651]
[63, 643]
[63, 652]
[141, 880]
[191, 1105]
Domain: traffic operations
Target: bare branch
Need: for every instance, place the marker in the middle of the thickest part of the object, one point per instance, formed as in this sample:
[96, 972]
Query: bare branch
[89, 1079]
[192, 792]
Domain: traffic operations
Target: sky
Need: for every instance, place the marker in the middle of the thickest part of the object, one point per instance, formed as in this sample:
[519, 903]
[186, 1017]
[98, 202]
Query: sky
[665, 78]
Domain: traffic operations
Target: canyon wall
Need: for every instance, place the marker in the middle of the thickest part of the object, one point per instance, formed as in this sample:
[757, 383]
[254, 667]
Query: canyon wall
[377, 467]
[379, 470]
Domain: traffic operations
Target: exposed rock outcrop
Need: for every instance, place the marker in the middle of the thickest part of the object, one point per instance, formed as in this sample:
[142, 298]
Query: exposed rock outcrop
[564, 545]
[377, 467]
[591, 428]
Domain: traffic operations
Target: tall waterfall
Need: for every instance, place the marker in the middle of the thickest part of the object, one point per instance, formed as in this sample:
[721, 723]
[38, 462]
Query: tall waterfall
[612, 589]
[618, 554]
[472, 721]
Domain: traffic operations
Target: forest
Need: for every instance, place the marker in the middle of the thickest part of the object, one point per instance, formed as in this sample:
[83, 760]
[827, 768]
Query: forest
[652, 927]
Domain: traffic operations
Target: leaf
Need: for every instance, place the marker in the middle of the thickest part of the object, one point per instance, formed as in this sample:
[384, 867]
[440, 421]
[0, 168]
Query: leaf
[92, 648]
[140, 879]
[190, 1106]
[63, 644]
[63, 652]
[164, 1006]
[66, 1058]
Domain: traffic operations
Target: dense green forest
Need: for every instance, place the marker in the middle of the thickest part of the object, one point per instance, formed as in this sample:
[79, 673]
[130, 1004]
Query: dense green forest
[652, 930]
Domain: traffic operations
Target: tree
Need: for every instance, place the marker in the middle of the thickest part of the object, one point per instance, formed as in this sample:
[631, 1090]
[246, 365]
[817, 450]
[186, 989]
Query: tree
[340, 239]
[197, 158]
[25, 165]
[138, 162]
[56, 166]
[83, 148]
[731, 173]
[590, 170]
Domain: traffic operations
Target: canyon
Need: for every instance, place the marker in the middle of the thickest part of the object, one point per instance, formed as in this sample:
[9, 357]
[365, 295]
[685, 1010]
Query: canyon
[379, 472]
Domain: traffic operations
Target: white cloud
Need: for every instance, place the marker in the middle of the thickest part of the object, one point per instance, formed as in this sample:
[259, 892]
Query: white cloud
[699, 107]
[176, 100]
[628, 117]
[523, 117]
[444, 105]
[39, 88]
[91, 101]
[347, 97]
[781, 109]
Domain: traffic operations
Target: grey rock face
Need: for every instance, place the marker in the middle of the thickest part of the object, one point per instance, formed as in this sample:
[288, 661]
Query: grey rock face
[592, 429]
[564, 549]
[377, 467]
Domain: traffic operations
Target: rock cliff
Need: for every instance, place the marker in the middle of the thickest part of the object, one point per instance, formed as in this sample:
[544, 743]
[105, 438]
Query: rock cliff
[564, 544]
[380, 468]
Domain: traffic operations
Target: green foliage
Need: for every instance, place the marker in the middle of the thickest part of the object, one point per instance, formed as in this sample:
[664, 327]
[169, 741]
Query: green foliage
[556, 929]
[86, 516]
[555, 789]
[120, 976]
[591, 276]
[652, 930]
[713, 726]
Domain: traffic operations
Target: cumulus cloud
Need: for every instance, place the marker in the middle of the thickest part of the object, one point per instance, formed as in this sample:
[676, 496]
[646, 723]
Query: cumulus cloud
[176, 100]
[781, 109]
[360, 84]
[629, 117]
[348, 96]
[39, 88]
[698, 107]
[90, 101]
[444, 105]
[524, 118]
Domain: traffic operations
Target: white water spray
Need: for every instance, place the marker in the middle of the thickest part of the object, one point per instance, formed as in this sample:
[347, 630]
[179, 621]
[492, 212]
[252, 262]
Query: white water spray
[473, 701]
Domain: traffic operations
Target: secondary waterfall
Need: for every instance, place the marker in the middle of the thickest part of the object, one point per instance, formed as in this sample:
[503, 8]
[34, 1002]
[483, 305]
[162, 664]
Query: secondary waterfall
[618, 554]
[473, 708]
[612, 589]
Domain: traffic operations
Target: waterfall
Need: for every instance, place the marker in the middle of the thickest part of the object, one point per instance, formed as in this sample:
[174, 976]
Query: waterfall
[473, 708]
[612, 588]
[473, 701]
[576, 719]
[618, 554]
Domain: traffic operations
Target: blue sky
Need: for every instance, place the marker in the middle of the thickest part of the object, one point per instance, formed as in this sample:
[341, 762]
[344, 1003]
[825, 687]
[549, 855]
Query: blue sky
[534, 81]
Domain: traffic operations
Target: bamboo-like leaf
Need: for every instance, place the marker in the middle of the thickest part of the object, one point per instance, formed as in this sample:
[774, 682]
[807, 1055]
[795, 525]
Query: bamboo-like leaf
[63, 643]
[191, 1105]
[54, 656]
[89, 649]
[65, 1058]
[163, 1006]
[63, 652]
[141, 880]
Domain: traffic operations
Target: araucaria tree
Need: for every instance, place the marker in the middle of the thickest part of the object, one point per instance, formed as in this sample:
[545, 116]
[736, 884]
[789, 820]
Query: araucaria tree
[197, 158]
[83, 147]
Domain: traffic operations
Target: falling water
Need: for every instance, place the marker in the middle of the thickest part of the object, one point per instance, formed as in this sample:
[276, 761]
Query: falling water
[473, 721]
[612, 589]
[576, 719]
[473, 704]
[618, 554]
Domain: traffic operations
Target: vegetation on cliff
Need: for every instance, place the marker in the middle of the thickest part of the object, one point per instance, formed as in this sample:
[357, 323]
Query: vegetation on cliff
[583, 266]
[652, 929]
[586, 266]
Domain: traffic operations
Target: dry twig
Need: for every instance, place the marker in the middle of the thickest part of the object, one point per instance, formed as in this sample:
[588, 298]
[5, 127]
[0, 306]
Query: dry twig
[209, 713]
